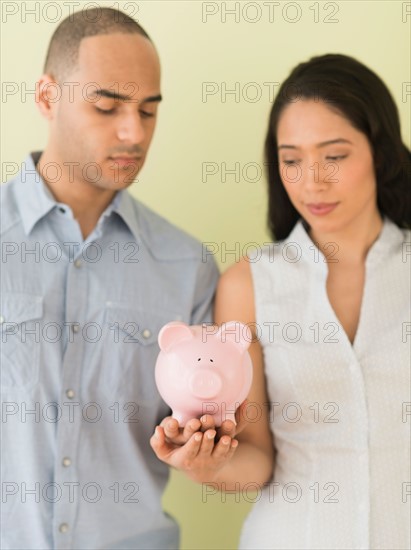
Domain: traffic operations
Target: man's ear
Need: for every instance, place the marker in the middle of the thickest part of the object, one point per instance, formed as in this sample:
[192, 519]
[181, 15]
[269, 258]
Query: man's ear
[48, 93]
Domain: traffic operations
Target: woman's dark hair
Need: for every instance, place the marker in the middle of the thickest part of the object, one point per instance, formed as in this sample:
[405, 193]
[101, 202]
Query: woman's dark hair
[358, 94]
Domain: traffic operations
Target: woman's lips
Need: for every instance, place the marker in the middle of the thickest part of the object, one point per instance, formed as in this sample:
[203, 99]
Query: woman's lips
[321, 208]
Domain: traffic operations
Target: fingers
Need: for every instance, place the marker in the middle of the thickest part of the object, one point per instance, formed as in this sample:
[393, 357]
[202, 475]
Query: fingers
[159, 444]
[200, 457]
[217, 452]
[171, 427]
[227, 428]
[207, 444]
[177, 435]
[207, 422]
[188, 453]
[192, 426]
[174, 455]
[224, 449]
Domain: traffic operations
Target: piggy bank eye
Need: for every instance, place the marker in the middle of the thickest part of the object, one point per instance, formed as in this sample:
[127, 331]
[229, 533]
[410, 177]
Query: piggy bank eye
[212, 360]
[199, 359]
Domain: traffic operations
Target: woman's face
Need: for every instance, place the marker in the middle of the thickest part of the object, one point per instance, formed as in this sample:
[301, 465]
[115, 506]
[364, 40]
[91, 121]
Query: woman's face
[326, 167]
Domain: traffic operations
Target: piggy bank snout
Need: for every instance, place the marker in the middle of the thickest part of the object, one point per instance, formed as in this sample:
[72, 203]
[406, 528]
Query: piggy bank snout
[205, 384]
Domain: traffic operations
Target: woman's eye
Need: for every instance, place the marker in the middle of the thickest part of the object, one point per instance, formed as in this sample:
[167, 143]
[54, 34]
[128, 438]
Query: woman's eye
[290, 162]
[336, 157]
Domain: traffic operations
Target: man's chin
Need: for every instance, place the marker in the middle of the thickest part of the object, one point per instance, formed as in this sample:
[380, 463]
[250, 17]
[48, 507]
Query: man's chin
[120, 180]
[123, 176]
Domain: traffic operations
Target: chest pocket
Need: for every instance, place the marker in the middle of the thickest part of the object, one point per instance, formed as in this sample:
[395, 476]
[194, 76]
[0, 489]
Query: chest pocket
[131, 351]
[20, 321]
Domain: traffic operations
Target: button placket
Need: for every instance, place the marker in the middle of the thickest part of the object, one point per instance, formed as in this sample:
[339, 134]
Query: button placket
[68, 428]
[146, 333]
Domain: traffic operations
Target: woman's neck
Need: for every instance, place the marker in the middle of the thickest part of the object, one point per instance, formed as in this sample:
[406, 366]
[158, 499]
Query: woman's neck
[353, 241]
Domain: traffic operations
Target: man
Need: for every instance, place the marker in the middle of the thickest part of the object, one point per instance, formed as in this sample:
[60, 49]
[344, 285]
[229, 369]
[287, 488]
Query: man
[89, 276]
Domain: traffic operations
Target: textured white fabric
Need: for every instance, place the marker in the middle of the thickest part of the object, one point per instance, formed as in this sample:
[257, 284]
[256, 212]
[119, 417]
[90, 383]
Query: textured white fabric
[339, 411]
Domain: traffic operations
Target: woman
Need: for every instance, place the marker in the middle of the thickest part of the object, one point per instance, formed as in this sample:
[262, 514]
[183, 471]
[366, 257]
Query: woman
[330, 308]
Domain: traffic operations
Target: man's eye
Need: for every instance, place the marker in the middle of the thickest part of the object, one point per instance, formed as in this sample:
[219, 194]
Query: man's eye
[105, 111]
[146, 114]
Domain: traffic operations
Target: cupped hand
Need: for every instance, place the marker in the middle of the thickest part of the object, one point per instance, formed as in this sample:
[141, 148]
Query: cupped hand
[198, 449]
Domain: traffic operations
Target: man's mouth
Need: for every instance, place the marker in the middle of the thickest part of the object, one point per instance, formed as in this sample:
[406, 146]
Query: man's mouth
[125, 160]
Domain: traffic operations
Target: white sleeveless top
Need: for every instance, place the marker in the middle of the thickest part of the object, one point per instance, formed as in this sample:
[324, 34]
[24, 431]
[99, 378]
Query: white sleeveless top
[341, 414]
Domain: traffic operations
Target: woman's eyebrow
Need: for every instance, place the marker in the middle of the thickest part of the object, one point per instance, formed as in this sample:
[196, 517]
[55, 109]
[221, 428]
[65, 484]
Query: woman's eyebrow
[322, 144]
[332, 141]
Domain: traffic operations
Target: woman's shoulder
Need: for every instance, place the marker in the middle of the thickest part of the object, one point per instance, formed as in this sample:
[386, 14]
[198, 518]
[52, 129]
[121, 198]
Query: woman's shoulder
[238, 276]
[235, 294]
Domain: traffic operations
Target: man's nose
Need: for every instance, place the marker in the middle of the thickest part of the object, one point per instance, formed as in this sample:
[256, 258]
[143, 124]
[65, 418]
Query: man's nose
[131, 129]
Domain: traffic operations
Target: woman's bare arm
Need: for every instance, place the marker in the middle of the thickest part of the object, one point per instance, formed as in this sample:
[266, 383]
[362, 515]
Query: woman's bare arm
[244, 453]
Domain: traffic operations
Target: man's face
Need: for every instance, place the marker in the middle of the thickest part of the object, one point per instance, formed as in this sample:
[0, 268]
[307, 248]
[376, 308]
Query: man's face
[105, 118]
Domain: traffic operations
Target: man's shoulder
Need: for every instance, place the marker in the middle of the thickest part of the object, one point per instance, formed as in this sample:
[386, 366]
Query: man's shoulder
[164, 240]
[10, 213]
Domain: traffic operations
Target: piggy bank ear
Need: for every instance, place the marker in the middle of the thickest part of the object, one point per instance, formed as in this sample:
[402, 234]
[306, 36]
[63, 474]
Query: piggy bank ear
[172, 333]
[235, 332]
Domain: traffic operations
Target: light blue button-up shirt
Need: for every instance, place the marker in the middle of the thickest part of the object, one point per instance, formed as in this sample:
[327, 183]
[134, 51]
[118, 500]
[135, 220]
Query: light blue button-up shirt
[80, 320]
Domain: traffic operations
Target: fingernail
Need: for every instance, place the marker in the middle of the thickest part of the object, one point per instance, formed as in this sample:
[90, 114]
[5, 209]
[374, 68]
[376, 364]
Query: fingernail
[211, 434]
[198, 437]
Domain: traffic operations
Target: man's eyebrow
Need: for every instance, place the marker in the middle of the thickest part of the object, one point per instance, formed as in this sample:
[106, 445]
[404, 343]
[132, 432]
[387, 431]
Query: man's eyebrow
[122, 97]
[322, 144]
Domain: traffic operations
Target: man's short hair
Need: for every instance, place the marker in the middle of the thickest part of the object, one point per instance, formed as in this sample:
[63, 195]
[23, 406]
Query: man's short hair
[62, 54]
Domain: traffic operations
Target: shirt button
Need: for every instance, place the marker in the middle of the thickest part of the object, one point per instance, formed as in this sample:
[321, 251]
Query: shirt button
[2, 319]
[70, 394]
[66, 461]
[77, 263]
[63, 528]
[62, 210]
[146, 333]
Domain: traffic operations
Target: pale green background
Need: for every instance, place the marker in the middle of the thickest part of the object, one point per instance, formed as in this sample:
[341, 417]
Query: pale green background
[191, 132]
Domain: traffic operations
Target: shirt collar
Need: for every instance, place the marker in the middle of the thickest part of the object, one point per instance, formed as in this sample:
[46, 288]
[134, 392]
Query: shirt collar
[123, 205]
[35, 199]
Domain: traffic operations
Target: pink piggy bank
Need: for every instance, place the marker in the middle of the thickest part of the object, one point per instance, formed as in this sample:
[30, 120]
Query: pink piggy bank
[204, 369]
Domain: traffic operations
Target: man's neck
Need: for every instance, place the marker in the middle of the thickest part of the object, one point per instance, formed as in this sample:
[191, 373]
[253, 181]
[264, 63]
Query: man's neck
[87, 201]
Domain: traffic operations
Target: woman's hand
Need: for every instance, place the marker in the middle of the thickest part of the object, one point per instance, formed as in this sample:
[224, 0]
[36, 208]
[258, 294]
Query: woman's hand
[199, 449]
[208, 455]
